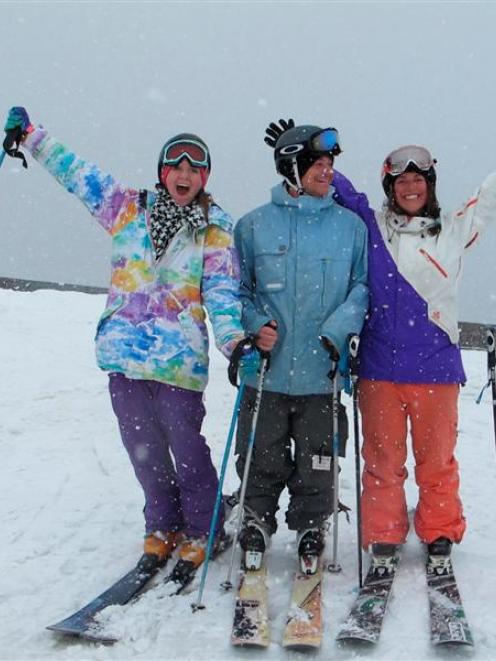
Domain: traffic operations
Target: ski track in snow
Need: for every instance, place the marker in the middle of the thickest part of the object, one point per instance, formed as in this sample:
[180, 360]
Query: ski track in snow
[72, 522]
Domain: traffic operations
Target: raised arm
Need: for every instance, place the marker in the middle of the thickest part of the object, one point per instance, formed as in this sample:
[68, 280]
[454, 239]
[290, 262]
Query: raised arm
[346, 195]
[479, 211]
[110, 203]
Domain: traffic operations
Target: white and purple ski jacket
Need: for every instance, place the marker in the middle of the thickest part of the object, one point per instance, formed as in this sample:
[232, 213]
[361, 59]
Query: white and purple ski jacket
[411, 332]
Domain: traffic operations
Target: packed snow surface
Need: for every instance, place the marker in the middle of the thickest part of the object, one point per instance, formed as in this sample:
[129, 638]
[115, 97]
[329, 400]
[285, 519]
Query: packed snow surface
[72, 523]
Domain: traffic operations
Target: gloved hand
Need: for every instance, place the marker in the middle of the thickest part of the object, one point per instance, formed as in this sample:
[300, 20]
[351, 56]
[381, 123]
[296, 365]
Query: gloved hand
[18, 117]
[17, 126]
[274, 131]
[245, 360]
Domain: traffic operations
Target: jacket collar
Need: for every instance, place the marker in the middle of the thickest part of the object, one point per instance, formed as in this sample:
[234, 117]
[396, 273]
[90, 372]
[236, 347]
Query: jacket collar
[397, 224]
[307, 203]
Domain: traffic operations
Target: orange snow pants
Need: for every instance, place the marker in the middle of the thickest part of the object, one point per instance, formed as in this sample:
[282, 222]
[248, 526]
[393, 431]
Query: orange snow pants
[433, 414]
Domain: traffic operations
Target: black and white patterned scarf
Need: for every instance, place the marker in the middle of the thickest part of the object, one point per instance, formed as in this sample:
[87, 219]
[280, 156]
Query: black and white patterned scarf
[167, 218]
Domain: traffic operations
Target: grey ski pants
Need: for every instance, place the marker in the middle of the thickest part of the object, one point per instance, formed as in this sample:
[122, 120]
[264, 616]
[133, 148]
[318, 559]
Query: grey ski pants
[293, 446]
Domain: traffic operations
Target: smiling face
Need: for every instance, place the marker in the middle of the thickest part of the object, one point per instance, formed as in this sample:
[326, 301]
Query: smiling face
[410, 192]
[183, 181]
[318, 177]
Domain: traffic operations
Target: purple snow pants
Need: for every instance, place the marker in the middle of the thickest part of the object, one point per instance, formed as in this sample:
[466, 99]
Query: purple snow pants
[160, 428]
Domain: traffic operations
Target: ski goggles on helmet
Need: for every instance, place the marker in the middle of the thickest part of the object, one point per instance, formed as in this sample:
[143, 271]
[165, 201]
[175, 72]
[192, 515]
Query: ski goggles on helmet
[324, 141]
[195, 152]
[398, 160]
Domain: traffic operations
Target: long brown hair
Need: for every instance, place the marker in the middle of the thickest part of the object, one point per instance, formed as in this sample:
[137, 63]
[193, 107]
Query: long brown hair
[431, 208]
[204, 199]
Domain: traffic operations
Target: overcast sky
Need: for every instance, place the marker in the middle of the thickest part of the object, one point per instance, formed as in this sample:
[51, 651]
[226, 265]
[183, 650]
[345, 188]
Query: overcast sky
[114, 80]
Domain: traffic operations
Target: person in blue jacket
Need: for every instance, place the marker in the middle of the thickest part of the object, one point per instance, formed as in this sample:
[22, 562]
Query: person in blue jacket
[304, 290]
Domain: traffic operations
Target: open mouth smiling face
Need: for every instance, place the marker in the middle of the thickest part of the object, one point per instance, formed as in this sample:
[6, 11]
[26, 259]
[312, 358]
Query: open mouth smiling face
[183, 181]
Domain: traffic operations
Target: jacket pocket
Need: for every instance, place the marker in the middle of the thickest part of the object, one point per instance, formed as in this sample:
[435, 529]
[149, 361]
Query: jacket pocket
[331, 282]
[271, 271]
[192, 332]
[111, 309]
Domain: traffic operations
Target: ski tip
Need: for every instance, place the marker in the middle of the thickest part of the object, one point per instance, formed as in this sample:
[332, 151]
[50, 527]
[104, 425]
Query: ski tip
[83, 635]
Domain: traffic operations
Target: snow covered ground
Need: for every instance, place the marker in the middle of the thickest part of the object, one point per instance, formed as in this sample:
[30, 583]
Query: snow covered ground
[71, 522]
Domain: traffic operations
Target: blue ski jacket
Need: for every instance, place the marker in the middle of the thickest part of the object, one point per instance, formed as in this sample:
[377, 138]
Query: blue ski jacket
[303, 263]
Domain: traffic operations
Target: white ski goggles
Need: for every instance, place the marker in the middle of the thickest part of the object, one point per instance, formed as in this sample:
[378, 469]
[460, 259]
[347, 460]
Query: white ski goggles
[398, 160]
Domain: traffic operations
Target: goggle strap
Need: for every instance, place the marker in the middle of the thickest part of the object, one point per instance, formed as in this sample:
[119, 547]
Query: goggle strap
[299, 188]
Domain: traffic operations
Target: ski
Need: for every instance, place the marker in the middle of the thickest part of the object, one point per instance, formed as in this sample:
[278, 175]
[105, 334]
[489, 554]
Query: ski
[251, 617]
[364, 621]
[448, 621]
[82, 622]
[303, 628]
[184, 571]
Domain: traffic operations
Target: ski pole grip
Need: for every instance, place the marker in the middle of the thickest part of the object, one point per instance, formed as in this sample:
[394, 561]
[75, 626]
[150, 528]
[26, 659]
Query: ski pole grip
[353, 345]
[491, 347]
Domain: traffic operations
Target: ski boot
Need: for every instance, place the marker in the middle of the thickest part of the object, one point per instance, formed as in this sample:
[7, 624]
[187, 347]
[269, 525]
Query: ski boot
[384, 559]
[310, 543]
[254, 540]
[438, 556]
[159, 545]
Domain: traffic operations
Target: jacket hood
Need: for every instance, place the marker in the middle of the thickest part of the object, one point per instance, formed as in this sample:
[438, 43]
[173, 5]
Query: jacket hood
[308, 203]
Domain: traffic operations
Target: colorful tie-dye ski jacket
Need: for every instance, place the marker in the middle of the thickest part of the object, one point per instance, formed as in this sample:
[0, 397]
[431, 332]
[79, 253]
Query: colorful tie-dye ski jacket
[153, 326]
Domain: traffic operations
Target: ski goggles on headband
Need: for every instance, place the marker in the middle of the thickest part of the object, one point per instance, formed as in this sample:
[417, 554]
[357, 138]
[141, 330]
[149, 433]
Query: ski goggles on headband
[194, 151]
[399, 159]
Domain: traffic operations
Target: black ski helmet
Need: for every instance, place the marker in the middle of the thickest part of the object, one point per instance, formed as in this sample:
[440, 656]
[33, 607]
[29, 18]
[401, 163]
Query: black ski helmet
[295, 152]
[410, 158]
[186, 137]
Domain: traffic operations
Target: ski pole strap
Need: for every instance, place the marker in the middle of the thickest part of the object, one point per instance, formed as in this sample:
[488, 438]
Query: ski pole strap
[11, 144]
[479, 398]
[239, 351]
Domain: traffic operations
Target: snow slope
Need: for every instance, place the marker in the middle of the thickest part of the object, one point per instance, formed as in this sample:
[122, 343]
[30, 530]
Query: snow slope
[71, 522]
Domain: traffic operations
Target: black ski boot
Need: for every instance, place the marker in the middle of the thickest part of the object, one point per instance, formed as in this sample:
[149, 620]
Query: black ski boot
[311, 543]
[384, 558]
[438, 556]
[254, 541]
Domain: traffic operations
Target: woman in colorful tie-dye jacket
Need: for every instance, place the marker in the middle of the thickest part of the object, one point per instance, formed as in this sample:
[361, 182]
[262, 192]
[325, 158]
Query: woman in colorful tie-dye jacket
[172, 256]
[411, 367]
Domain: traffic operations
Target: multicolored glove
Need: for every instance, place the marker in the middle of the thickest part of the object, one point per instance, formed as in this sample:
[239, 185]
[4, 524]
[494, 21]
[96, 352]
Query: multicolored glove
[18, 117]
[245, 360]
[17, 126]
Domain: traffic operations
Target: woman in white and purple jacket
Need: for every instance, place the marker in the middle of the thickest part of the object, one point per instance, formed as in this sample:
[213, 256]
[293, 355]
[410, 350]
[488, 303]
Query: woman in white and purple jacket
[411, 367]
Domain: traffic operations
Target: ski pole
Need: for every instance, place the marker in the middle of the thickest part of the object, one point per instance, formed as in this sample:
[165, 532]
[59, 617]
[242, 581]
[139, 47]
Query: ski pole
[353, 345]
[491, 369]
[198, 605]
[334, 565]
[227, 584]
